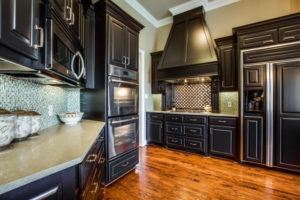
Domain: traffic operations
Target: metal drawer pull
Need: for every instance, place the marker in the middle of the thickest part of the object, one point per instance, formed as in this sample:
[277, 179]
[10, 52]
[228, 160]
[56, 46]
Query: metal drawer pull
[46, 194]
[193, 120]
[290, 37]
[125, 164]
[72, 19]
[92, 158]
[174, 129]
[41, 43]
[193, 130]
[174, 140]
[96, 187]
[222, 121]
[268, 41]
[193, 144]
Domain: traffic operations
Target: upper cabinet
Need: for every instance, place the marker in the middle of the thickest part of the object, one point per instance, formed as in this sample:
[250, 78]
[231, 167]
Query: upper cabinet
[21, 28]
[123, 45]
[227, 63]
[270, 32]
[155, 84]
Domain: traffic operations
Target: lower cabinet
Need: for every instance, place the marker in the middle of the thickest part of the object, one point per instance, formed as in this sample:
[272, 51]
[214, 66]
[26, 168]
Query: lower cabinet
[222, 141]
[155, 128]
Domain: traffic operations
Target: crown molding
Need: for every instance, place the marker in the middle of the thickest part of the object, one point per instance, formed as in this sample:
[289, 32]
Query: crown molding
[178, 9]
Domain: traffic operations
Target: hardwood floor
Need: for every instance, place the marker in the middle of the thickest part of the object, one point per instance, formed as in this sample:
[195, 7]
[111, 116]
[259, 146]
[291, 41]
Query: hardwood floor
[170, 174]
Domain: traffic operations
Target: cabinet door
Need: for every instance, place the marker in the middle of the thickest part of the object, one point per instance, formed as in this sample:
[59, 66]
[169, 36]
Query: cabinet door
[228, 69]
[155, 58]
[117, 37]
[18, 26]
[258, 39]
[253, 139]
[289, 33]
[254, 76]
[287, 120]
[222, 141]
[155, 132]
[132, 49]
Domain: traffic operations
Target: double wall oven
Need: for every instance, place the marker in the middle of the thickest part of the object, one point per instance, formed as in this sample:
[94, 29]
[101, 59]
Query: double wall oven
[123, 121]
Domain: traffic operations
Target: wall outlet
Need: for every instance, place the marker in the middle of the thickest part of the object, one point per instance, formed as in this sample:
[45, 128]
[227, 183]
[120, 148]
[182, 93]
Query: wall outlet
[229, 104]
[50, 110]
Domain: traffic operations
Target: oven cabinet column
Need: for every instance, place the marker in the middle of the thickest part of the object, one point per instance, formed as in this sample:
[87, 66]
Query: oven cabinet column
[155, 130]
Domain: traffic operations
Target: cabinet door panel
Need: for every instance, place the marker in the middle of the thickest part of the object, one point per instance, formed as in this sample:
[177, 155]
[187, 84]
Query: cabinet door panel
[117, 43]
[289, 33]
[132, 49]
[227, 67]
[287, 121]
[18, 30]
[222, 141]
[155, 132]
[254, 76]
[258, 39]
[253, 139]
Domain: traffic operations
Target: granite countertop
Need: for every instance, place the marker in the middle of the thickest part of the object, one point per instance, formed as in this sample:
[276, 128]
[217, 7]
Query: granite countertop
[55, 149]
[192, 113]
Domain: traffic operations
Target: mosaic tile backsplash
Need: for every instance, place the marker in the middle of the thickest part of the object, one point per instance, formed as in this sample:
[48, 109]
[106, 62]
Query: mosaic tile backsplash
[232, 99]
[185, 95]
[22, 94]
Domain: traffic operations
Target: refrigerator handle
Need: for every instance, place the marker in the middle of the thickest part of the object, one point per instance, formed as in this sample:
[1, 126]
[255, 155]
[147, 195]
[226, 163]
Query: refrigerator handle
[270, 114]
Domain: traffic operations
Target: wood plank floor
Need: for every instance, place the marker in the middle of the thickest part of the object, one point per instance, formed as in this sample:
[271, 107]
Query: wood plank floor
[169, 174]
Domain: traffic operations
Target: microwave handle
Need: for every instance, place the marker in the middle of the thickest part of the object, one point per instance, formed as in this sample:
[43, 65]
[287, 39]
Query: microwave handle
[82, 72]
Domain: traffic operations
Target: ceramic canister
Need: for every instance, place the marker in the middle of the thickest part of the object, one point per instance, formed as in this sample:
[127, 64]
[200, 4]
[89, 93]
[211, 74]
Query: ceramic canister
[22, 124]
[7, 127]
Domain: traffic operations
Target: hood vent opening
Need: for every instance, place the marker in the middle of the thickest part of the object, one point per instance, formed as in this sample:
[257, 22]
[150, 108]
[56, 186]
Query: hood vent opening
[190, 50]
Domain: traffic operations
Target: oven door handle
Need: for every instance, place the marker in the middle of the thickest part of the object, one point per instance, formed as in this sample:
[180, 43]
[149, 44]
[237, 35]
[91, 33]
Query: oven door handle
[82, 72]
[121, 81]
[125, 120]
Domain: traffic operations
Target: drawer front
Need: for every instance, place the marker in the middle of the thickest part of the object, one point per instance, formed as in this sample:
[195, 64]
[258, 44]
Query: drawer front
[156, 116]
[197, 145]
[258, 39]
[174, 118]
[174, 129]
[123, 164]
[195, 131]
[223, 121]
[174, 141]
[195, 119]
[289, 33]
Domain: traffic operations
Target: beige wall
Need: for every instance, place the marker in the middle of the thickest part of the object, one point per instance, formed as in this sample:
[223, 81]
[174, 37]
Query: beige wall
[146, 43]
[222, 20]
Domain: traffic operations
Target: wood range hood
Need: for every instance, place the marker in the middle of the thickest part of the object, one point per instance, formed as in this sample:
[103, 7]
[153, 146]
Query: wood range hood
[190, 50]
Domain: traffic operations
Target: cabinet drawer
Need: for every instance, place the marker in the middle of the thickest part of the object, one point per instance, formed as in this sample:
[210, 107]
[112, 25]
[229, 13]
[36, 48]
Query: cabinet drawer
[289, 33]
[258, 39]
[195, 119]
[222, 121]
[156, 116]
[174, 141]
[123, 164]
[197, 145]
[174, 129]
[174, 118]
[195, 131]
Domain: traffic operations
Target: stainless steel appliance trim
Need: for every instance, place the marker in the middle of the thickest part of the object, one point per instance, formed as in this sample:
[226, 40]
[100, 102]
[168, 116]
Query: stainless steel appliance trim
[121, 81]
[125, 120]
[82, 65]
[122, 72]
[46, 194]
[51, 46]
[42, 37]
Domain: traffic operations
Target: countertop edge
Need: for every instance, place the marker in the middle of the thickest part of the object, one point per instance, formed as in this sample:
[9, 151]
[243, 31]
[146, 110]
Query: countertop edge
[191, 113]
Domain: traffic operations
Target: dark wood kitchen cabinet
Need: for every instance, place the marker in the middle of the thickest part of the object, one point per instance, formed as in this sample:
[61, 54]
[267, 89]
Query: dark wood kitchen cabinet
[227, 63]
[254, 139]
[254, 75]
[22, 28]
[123, 46]
[155, 130]
[222, 136]
[156, 85]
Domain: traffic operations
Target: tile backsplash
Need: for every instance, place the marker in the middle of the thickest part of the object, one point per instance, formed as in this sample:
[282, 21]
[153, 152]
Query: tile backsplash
[192, 96]
[229, 102]
[22, 94]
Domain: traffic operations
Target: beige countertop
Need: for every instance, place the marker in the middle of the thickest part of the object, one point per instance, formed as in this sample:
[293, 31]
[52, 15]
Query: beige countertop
[55, 149]
[191, 113]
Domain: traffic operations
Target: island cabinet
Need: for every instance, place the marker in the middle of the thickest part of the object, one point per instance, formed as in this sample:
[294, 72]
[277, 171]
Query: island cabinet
[82, 181]
[222, 136]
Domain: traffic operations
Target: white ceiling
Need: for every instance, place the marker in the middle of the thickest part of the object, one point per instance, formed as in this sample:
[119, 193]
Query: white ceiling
[160, 12]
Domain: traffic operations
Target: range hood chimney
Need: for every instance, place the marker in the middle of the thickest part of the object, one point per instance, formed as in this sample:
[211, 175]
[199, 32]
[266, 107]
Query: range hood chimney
[190, 50]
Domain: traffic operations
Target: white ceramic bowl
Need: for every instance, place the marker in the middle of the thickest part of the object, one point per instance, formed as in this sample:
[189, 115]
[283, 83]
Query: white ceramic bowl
[35, 124]
[71, 118]
[23, 127]
[7, 129]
